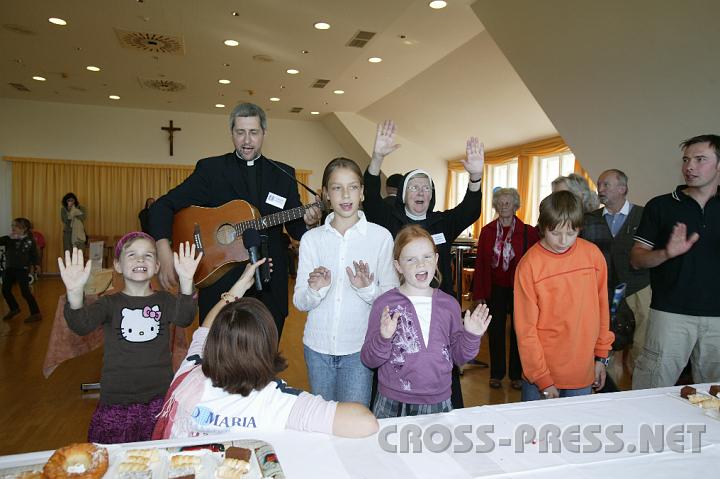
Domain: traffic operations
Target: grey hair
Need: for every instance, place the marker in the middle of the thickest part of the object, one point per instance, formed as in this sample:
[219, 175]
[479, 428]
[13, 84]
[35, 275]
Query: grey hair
[580, 188]
[511, 192]
[621, 176]
[246, 110]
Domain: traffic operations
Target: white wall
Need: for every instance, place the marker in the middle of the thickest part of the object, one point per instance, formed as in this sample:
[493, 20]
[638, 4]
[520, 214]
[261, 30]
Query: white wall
[92, 133]
[623, 81]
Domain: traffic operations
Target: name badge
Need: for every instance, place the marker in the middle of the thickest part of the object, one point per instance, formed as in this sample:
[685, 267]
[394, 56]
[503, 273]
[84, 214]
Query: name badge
[438, 238]
[275, 200]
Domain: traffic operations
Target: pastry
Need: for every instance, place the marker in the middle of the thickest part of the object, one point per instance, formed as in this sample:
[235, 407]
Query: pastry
[77, 461]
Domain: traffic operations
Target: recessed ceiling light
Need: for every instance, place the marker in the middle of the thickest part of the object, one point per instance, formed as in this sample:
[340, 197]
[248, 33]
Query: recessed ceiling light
[114, 97]
[57, 21]
[231, 43]
[374, 59]
[235, 14]
[339, 92]
[322, 26]
[314, 112]
[92, 68]
[437, 4]
[224, 82]
[274, 99]
[292, 71]
[219, 105]
[39, 78]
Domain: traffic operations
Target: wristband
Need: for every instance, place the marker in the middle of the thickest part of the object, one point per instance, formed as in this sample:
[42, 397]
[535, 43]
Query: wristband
[604, 361]
[475, 181]
[228, 298]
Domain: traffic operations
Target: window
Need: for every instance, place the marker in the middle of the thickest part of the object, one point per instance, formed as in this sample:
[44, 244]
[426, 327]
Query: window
[504, 175]
[548, 168]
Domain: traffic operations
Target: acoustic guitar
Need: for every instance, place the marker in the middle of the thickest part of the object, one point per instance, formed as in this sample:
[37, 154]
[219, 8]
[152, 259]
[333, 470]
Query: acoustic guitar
[217, 232]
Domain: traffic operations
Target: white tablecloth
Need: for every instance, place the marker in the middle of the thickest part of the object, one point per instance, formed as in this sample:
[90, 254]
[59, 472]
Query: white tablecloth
[305, 455]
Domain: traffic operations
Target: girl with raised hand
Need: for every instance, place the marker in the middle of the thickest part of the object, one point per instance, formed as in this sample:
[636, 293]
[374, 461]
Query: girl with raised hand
[137, 364]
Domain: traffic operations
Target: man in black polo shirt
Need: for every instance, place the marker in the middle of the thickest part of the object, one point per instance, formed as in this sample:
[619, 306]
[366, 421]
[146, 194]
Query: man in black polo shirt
[679, 239]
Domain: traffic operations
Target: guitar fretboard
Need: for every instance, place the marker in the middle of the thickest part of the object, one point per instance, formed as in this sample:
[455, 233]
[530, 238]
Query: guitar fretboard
[274, 219]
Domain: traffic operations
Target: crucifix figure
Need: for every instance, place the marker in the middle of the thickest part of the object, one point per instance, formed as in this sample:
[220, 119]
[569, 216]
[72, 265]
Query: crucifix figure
[171, 130]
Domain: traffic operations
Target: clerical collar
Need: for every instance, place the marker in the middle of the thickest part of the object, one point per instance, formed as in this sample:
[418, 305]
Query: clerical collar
[248, 163]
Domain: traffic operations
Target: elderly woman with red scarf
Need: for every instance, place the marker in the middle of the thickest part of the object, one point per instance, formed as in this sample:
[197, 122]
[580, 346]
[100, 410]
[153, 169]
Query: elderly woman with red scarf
[501, 244]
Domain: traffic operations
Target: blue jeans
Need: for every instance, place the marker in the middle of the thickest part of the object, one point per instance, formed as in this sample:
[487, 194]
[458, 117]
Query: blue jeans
[530, 392]
[338, 378]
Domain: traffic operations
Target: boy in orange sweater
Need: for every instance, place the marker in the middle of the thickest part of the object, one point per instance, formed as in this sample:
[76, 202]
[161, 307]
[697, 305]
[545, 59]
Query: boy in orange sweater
[561, 308]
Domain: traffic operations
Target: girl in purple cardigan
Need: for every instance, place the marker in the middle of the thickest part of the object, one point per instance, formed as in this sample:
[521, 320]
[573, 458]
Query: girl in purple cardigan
[416, 332]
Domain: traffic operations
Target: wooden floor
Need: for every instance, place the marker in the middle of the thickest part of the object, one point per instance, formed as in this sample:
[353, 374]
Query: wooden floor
[41, 413]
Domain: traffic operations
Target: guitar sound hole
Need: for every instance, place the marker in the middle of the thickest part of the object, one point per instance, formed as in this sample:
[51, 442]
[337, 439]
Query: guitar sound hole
[225, 234]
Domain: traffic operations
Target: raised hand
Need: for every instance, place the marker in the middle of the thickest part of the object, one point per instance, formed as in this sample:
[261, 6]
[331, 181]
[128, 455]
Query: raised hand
[477, 322]
[319, 278]
[72, 271]
[361, 277]
[385, 139]
[247, 279]
[475, 152]
[185, 262]
[388, 324]
[679, 243]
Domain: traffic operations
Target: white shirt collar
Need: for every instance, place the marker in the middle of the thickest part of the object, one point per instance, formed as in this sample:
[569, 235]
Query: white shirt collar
[625, 210]
[360, 226]
[249, 163]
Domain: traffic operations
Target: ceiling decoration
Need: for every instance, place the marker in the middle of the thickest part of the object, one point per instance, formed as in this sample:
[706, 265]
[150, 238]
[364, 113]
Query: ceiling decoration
[151, 42]
[161, 84]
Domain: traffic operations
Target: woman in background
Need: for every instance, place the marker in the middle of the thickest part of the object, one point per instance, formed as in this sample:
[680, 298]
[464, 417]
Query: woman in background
[501, 244]
[73, 218]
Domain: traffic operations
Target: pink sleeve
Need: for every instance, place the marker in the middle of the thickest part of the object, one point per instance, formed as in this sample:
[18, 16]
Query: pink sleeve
[312, 414]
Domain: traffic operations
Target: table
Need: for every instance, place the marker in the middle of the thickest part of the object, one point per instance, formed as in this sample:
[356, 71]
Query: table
[306, 455]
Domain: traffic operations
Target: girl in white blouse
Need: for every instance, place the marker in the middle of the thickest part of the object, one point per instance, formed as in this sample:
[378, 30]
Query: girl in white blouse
[344, 265]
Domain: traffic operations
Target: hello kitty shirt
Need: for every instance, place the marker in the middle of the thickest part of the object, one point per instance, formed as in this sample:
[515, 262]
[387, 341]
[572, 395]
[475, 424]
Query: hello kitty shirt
[137, 365]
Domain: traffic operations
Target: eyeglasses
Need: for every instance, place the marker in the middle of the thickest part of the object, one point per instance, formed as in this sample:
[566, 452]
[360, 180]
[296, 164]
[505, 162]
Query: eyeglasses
[416, 188]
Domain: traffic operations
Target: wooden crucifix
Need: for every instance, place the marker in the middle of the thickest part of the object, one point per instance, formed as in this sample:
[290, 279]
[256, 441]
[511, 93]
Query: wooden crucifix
[171, 130]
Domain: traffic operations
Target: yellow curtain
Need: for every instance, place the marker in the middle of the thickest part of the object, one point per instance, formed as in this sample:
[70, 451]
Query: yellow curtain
[304, 176]
[113, 193]
[524, 154]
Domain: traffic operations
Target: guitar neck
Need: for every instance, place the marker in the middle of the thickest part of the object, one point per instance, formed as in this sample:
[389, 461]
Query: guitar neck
[275, 219]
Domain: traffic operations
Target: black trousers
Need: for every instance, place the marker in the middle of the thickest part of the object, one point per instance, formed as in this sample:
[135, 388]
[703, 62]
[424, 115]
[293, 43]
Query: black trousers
[501, 304]
[20, 276]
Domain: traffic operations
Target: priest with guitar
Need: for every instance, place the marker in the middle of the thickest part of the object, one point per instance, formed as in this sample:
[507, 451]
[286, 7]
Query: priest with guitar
[244, 174]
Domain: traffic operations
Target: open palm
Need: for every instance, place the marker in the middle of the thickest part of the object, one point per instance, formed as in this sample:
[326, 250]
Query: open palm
[185, 261]
[72, 271]
[385, 139]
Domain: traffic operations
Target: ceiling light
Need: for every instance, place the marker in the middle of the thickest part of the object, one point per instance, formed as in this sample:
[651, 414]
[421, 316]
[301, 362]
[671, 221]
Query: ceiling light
[374, 59]
[322, 26]
[219, 105]
[57, 21]
[314, 112]
[231, 43]
[92, 68]
[437, 4]
[292, 71]
[39, 78]
[224, 82]
[114, 97]
[339, 92]
[235, 14]
[274, 99]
